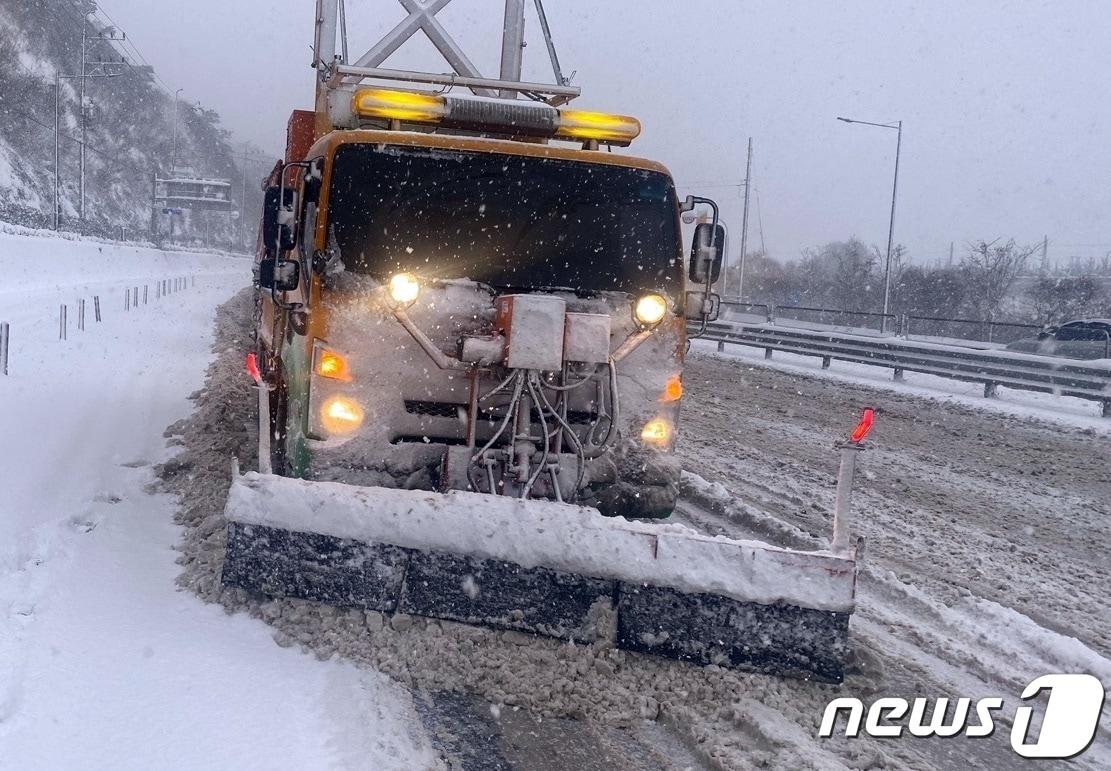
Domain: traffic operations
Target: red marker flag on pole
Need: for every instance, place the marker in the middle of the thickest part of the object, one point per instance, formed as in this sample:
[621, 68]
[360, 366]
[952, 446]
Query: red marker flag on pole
[864, 426]
[252, 368]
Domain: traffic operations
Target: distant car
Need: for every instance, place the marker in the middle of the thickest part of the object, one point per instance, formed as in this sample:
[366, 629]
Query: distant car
[1080, 339]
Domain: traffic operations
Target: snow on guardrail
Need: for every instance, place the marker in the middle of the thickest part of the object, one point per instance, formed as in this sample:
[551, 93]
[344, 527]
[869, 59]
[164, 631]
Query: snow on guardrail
[163, 288]
[1084, 379]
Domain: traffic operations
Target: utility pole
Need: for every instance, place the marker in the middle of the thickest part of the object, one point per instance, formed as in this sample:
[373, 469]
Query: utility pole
[244, 157]
[950, 254]
[85, 38]
[243, 198]
[1045, 254]
[84, 42]
[173, 155]
[760, 222]
[153, 205]
[57, 146]
[58, 78]
[744, 222]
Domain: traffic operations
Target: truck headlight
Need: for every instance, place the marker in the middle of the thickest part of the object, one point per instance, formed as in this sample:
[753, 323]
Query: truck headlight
[341, 415]
[656, 432]
[650, 310]
[404, 289]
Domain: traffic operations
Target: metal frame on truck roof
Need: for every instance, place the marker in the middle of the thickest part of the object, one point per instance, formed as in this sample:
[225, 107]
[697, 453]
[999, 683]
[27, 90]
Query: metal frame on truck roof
[337, 71]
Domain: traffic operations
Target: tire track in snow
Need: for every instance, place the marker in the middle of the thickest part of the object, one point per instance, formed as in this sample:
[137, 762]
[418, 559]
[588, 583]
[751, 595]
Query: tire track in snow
[934, 626]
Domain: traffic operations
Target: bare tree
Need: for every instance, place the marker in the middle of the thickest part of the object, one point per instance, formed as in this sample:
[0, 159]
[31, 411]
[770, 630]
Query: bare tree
[841, 274]
[990, 270]
[855, 278]
[1063, 298]
[937, 292]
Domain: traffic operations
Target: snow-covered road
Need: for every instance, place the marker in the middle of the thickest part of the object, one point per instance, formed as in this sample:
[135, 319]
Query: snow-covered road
[984, 566]
[105, 663]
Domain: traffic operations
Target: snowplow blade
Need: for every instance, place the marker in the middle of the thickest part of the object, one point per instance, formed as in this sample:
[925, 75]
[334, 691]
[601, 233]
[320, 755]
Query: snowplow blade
[542, 567]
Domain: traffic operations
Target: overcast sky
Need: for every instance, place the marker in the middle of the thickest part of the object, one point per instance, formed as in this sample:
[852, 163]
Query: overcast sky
[1004, 104]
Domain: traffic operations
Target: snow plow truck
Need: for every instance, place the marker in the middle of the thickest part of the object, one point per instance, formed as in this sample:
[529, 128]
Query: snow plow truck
[472, 317]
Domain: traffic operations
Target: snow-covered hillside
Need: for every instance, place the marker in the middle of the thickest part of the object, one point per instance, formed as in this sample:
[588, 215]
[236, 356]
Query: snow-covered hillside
[129, 129]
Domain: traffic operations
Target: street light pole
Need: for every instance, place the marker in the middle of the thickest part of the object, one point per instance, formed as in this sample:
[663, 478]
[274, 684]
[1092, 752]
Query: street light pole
[891, 230]
[744, 224]
[898, 126]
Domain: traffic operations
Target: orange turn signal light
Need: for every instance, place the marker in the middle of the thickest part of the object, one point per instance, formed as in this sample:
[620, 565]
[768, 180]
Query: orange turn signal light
[332, 365]
[673, 391]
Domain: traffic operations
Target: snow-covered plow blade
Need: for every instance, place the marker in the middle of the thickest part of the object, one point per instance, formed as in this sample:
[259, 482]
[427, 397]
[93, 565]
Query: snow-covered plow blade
[545, 568]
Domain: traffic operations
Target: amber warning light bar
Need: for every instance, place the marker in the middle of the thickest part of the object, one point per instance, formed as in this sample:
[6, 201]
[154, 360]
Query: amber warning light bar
[522, 118]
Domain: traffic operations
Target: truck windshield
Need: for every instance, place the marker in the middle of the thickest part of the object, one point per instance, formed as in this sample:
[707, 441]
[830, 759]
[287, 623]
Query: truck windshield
[505, 220]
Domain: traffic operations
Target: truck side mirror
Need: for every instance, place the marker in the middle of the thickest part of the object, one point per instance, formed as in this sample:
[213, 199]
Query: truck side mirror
[277, 218]
[707, 253]
[280, 275]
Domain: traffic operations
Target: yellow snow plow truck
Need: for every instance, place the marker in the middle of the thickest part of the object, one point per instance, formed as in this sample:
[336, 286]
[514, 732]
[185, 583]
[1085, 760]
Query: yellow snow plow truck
[472, 319]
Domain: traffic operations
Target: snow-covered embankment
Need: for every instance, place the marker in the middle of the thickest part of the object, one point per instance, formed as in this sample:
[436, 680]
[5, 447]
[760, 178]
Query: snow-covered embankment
[103, 663]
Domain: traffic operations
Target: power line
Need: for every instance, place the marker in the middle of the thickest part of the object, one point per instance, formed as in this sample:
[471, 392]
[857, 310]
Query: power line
[129, 43]
[27, 73]
[72, 137]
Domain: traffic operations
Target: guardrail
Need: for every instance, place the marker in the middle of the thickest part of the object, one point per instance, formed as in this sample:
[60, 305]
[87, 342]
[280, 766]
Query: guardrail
[904, 325]
[1068, 377]
[163, 288]
[988, 331]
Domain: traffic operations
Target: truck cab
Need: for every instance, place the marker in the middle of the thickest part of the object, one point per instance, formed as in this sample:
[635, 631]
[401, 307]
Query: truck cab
[449, 300]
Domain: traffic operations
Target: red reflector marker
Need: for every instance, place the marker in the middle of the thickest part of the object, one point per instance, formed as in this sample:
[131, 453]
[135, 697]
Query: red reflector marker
[864, 426]
[252, 368]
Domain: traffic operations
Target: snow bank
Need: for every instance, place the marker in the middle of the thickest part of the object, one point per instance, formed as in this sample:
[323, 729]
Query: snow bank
[52, 260]
[103, 662]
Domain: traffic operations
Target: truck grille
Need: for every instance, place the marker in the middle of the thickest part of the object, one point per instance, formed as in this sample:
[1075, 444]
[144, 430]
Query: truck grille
[434, 409]
[574, 417]
[451, 410]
